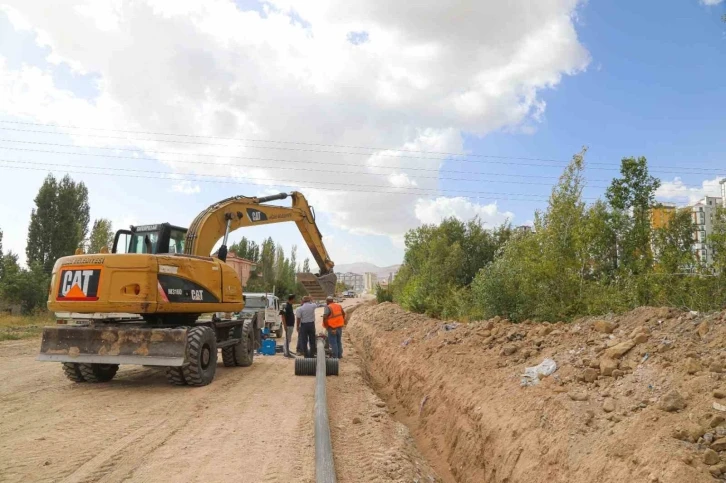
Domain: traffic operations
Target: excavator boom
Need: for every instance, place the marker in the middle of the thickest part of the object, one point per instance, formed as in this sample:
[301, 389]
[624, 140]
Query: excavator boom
[223, 217]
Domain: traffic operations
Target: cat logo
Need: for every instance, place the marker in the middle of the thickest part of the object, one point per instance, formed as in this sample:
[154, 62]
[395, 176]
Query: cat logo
[197, 295]
[256, 215]
[79, 284]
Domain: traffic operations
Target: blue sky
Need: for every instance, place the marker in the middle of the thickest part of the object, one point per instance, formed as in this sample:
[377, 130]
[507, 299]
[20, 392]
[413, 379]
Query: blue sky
[624, 78]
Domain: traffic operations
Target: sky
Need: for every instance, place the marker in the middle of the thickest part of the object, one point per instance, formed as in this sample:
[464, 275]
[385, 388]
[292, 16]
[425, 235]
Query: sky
[385, 115]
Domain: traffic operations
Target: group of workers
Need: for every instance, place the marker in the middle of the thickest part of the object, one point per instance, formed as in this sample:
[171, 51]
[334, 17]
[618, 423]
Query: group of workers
[302, 321]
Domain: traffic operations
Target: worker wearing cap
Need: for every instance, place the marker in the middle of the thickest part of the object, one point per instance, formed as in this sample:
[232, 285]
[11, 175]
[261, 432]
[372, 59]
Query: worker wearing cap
[333, 321]
[305, 324]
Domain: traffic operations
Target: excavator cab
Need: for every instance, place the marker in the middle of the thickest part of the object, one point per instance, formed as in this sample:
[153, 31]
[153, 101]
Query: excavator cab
[152, 239]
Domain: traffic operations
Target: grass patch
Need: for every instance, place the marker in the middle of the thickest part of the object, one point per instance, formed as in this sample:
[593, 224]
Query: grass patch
[13, 327]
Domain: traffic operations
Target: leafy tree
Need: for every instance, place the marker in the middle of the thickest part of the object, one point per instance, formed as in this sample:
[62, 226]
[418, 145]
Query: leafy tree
[306, 266]
[673, 244]
[29, 288]
[1, 255]
[101, 236]
[59, 221]
[543, 275]
[631, 197]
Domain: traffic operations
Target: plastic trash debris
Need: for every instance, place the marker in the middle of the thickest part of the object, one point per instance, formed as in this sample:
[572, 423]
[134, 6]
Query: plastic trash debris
[423, 401]
[451, 326]
[532, 375]
[645, 358]
[406, 342]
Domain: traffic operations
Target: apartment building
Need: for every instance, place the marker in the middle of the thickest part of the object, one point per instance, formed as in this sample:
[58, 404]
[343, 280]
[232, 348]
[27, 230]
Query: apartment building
[662, 214]
[370, 282]
[702, 215]
[354, 281]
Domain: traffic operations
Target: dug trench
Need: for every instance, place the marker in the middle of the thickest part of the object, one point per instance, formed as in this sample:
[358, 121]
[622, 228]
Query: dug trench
[635, 398]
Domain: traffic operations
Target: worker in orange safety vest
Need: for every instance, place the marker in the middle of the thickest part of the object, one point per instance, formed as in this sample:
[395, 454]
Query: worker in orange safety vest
[333, 321]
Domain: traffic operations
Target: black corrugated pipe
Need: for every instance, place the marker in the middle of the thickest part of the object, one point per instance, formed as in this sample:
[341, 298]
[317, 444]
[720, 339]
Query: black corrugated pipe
[324, 465]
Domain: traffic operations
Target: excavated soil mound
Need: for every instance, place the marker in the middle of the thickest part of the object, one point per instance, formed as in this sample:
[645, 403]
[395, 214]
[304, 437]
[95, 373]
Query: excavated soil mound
[635, 398]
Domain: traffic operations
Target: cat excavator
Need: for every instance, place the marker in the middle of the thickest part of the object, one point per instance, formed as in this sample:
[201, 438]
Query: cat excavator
[146, 302]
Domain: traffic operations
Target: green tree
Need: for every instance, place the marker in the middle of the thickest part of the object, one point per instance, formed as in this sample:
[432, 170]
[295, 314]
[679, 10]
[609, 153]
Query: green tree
[631, 197]
[673, 244]
[101, 236]
[542, 275]
[59, 221]
[29, 288]
[306, 266]
[1, 255]
[267, 261]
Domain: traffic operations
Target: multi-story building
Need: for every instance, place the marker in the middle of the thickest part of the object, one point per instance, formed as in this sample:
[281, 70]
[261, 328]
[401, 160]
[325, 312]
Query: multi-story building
[370, 282]
[353, 281]
[702, 214]
[723, 192]
[661, 215]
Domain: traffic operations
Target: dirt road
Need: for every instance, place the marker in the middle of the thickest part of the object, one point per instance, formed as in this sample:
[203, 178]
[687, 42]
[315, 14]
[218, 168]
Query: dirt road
[251, 424]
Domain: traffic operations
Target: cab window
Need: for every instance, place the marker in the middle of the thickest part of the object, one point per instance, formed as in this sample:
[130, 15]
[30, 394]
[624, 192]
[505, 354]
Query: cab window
[176, 241]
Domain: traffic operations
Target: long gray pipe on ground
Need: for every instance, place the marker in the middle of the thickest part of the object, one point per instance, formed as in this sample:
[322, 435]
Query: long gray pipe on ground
[324, 465]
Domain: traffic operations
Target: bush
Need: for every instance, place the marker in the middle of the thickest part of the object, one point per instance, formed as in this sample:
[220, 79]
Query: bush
[383, 294]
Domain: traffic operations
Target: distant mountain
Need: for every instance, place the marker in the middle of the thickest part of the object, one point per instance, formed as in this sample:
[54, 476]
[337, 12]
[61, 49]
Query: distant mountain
[363, 267]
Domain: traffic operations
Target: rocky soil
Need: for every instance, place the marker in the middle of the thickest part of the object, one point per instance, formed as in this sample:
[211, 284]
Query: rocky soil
[639, 397]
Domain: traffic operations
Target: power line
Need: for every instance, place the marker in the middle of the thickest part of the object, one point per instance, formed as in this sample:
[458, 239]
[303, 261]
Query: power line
[295, 168]
[175, 177]
[278, 160]
[255, 158]
[446, 155]
[197, 143]
[220, 138]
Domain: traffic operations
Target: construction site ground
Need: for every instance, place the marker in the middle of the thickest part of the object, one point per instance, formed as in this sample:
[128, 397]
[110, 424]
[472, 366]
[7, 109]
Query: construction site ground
[638, 397]
[250, 425]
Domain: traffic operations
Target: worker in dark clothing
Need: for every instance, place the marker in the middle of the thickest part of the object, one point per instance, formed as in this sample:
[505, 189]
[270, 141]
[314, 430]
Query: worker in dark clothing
[287, 316]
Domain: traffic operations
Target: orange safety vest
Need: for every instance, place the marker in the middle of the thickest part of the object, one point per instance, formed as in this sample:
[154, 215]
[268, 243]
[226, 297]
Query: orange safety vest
[336, 318]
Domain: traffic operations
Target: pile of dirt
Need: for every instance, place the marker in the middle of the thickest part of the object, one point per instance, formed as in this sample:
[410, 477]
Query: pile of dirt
[636, 397]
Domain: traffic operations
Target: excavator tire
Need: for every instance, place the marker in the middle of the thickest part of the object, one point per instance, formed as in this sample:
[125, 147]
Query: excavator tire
[201, 356]
[175, 375]
[73, 372]
[98, 372]
[244, 351]
[228, 352]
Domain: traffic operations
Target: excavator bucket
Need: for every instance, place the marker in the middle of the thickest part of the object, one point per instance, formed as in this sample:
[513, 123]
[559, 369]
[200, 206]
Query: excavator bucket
[114, 345]
[318, 287]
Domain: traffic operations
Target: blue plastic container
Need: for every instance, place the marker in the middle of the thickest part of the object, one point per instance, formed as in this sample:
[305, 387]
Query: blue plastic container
[269, 347]
[266, 331]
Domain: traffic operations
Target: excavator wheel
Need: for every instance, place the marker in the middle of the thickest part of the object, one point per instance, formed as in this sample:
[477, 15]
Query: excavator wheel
[73, 372]
[98, 372]
[244, 351]
[201, 356]
[175, 376]
[228, 352]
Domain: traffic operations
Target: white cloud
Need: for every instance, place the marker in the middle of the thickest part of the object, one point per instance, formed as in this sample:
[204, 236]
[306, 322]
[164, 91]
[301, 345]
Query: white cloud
[710, 2]
[427, 73]
[185, 187]
[433, 211]
[678, 191]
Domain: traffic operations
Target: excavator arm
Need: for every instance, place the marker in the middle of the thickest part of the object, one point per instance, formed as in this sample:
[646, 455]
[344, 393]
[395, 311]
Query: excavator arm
[222, 218]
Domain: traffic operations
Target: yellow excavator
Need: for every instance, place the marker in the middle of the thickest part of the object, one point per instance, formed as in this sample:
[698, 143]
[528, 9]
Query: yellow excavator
[143, 303]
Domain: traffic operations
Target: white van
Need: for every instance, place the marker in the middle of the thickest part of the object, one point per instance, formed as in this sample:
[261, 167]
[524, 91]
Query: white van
[270, 304]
